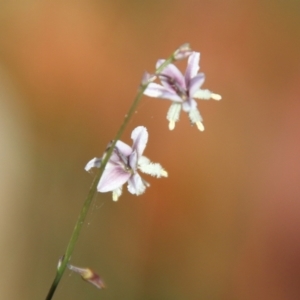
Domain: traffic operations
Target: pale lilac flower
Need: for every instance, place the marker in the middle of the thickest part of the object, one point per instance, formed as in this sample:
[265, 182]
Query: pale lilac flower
[181, 90]
[124, 164]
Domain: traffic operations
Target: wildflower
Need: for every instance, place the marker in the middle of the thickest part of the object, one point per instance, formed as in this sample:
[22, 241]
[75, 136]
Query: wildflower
[124, 164]
[181, 90]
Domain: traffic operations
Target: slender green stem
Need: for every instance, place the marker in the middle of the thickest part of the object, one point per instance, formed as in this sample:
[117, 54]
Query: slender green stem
[74, 237]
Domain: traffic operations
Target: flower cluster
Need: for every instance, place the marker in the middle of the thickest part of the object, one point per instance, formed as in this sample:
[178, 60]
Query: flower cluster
[182, 90]
[121, 163]
[125, 161]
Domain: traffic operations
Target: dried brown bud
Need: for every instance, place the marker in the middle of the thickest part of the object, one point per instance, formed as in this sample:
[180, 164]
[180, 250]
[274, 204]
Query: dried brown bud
[89, 276]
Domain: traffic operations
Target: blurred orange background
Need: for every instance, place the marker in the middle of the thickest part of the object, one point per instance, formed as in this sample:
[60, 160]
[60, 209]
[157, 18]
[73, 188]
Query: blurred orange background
[225, 224]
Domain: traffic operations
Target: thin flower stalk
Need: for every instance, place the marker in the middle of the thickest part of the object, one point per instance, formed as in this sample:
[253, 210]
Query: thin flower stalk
[93, 189]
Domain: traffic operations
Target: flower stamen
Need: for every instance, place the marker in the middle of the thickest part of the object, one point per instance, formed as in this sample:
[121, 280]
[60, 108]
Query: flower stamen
[173, 114]
[216, 96]
[196, 118]
[200, 126]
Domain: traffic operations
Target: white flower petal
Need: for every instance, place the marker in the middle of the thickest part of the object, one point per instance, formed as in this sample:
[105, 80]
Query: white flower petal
[116, 158]
[206, 95]
[114, 176]
[123, 148]
[153, 169]
[133, 159]
[188, 105]
[173, 114]
[195, 83]
[196, 118]
[158, 91]
[140, 138]
[192, 67]
[136, 185]
[144, 160]
[117, 193]
[94, 163]
[172, 72]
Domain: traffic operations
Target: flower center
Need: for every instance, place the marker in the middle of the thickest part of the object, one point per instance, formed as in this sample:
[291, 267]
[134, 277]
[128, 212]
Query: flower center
[124, 160]
[180, 91]
[127, 168]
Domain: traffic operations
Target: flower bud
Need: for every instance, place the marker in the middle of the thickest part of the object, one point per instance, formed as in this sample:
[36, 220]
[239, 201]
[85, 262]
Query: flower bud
[183, 52]
[147, 78]
[89, 276]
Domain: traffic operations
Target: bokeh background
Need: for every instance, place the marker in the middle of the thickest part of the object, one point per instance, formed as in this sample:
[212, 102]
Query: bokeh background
[225, 224]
